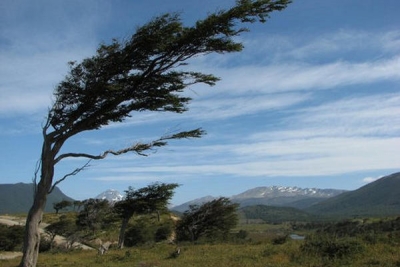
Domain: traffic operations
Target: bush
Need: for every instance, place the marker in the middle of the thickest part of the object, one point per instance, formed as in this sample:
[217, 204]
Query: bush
[11, 237]
[140, 233]
[330, 247]
[163, 232]
[280, 240]
[45, 244]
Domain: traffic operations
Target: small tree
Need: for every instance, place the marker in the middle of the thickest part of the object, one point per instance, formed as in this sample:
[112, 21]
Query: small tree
[211, 220]
[145, 73]
[61, 205]
[93, 214]
[153, 198]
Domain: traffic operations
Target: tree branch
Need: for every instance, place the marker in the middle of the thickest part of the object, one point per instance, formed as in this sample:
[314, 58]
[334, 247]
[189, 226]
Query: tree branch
[138, 148]
[75, 172]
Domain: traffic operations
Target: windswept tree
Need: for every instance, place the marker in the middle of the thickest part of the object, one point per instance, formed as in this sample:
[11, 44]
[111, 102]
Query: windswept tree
[147, 72]
[212, 220]
[153, 198]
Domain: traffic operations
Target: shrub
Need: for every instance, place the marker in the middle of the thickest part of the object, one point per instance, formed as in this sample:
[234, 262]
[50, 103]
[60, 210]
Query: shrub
[163, 232]
[281, 239]
[139, 233]
[11, 237]
[330, 247]
[45, 244]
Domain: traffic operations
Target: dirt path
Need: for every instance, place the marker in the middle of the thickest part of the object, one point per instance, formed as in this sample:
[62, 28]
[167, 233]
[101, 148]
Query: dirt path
[10, 221]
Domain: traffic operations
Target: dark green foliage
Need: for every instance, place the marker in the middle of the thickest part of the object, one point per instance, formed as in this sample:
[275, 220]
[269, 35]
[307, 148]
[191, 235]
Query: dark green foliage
[212, 220]
[57, 206]
[150, 199]
[96, 214]
[141, 73]
[46, 244]
[163, 232]
[281, 239]
[271, 214]
[387, 230]
[146, 230]
[329, 247]
[140, 233]
[11, 237]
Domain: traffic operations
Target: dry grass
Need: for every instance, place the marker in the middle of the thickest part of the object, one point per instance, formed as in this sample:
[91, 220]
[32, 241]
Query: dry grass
[218, 255]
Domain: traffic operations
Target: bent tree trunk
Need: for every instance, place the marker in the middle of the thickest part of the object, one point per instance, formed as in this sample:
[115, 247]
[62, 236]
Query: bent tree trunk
[32, 233]
[34, 218]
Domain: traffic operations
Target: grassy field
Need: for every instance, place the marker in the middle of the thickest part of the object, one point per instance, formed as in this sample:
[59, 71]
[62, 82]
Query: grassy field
[252, 254]
[264, 245]
[259, 249]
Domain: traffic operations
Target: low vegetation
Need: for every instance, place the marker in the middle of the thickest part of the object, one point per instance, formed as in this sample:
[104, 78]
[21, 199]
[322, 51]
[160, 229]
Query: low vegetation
[356, 242]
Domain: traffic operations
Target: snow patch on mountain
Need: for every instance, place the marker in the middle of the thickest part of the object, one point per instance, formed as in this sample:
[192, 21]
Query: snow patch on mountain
[285, 191]
[111, 195]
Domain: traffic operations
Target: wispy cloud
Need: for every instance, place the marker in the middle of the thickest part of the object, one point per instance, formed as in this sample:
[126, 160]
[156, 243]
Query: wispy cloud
[352, 134]
[368, 180]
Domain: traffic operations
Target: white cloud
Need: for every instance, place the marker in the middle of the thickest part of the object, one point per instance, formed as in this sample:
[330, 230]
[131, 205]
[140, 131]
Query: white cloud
[306, 77]
[368, 180]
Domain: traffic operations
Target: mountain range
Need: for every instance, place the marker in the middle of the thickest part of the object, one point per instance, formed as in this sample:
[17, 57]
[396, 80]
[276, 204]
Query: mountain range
[282, 196]
[379, 198]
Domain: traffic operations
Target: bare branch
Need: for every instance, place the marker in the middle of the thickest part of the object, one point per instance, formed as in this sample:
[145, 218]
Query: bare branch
[75, 172]
[34, 179]
[138, 148]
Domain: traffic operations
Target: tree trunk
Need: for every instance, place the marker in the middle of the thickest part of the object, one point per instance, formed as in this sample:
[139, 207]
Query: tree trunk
[32, 233]
[121, 237]
[34, 218]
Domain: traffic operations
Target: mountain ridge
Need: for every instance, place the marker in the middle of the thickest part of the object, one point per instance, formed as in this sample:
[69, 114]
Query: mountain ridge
[18, 198]
[381, 197]
[288, 196]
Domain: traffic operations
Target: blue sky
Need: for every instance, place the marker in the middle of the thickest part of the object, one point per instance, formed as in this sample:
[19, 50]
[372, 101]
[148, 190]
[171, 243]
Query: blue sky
[312, 101]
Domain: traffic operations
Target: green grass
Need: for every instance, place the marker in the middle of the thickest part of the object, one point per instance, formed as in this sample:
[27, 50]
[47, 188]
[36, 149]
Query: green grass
[252, 254]
[258, 249]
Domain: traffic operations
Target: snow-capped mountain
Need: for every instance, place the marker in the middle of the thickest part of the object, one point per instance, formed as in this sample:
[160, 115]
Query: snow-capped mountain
[111, 195]
[286, 191]
[274, 196]
[284, 196]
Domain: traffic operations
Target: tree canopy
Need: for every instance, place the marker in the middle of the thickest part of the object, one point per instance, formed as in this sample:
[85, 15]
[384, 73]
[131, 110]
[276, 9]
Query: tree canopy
[146, 72]
[153, 198]
[210, 220]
